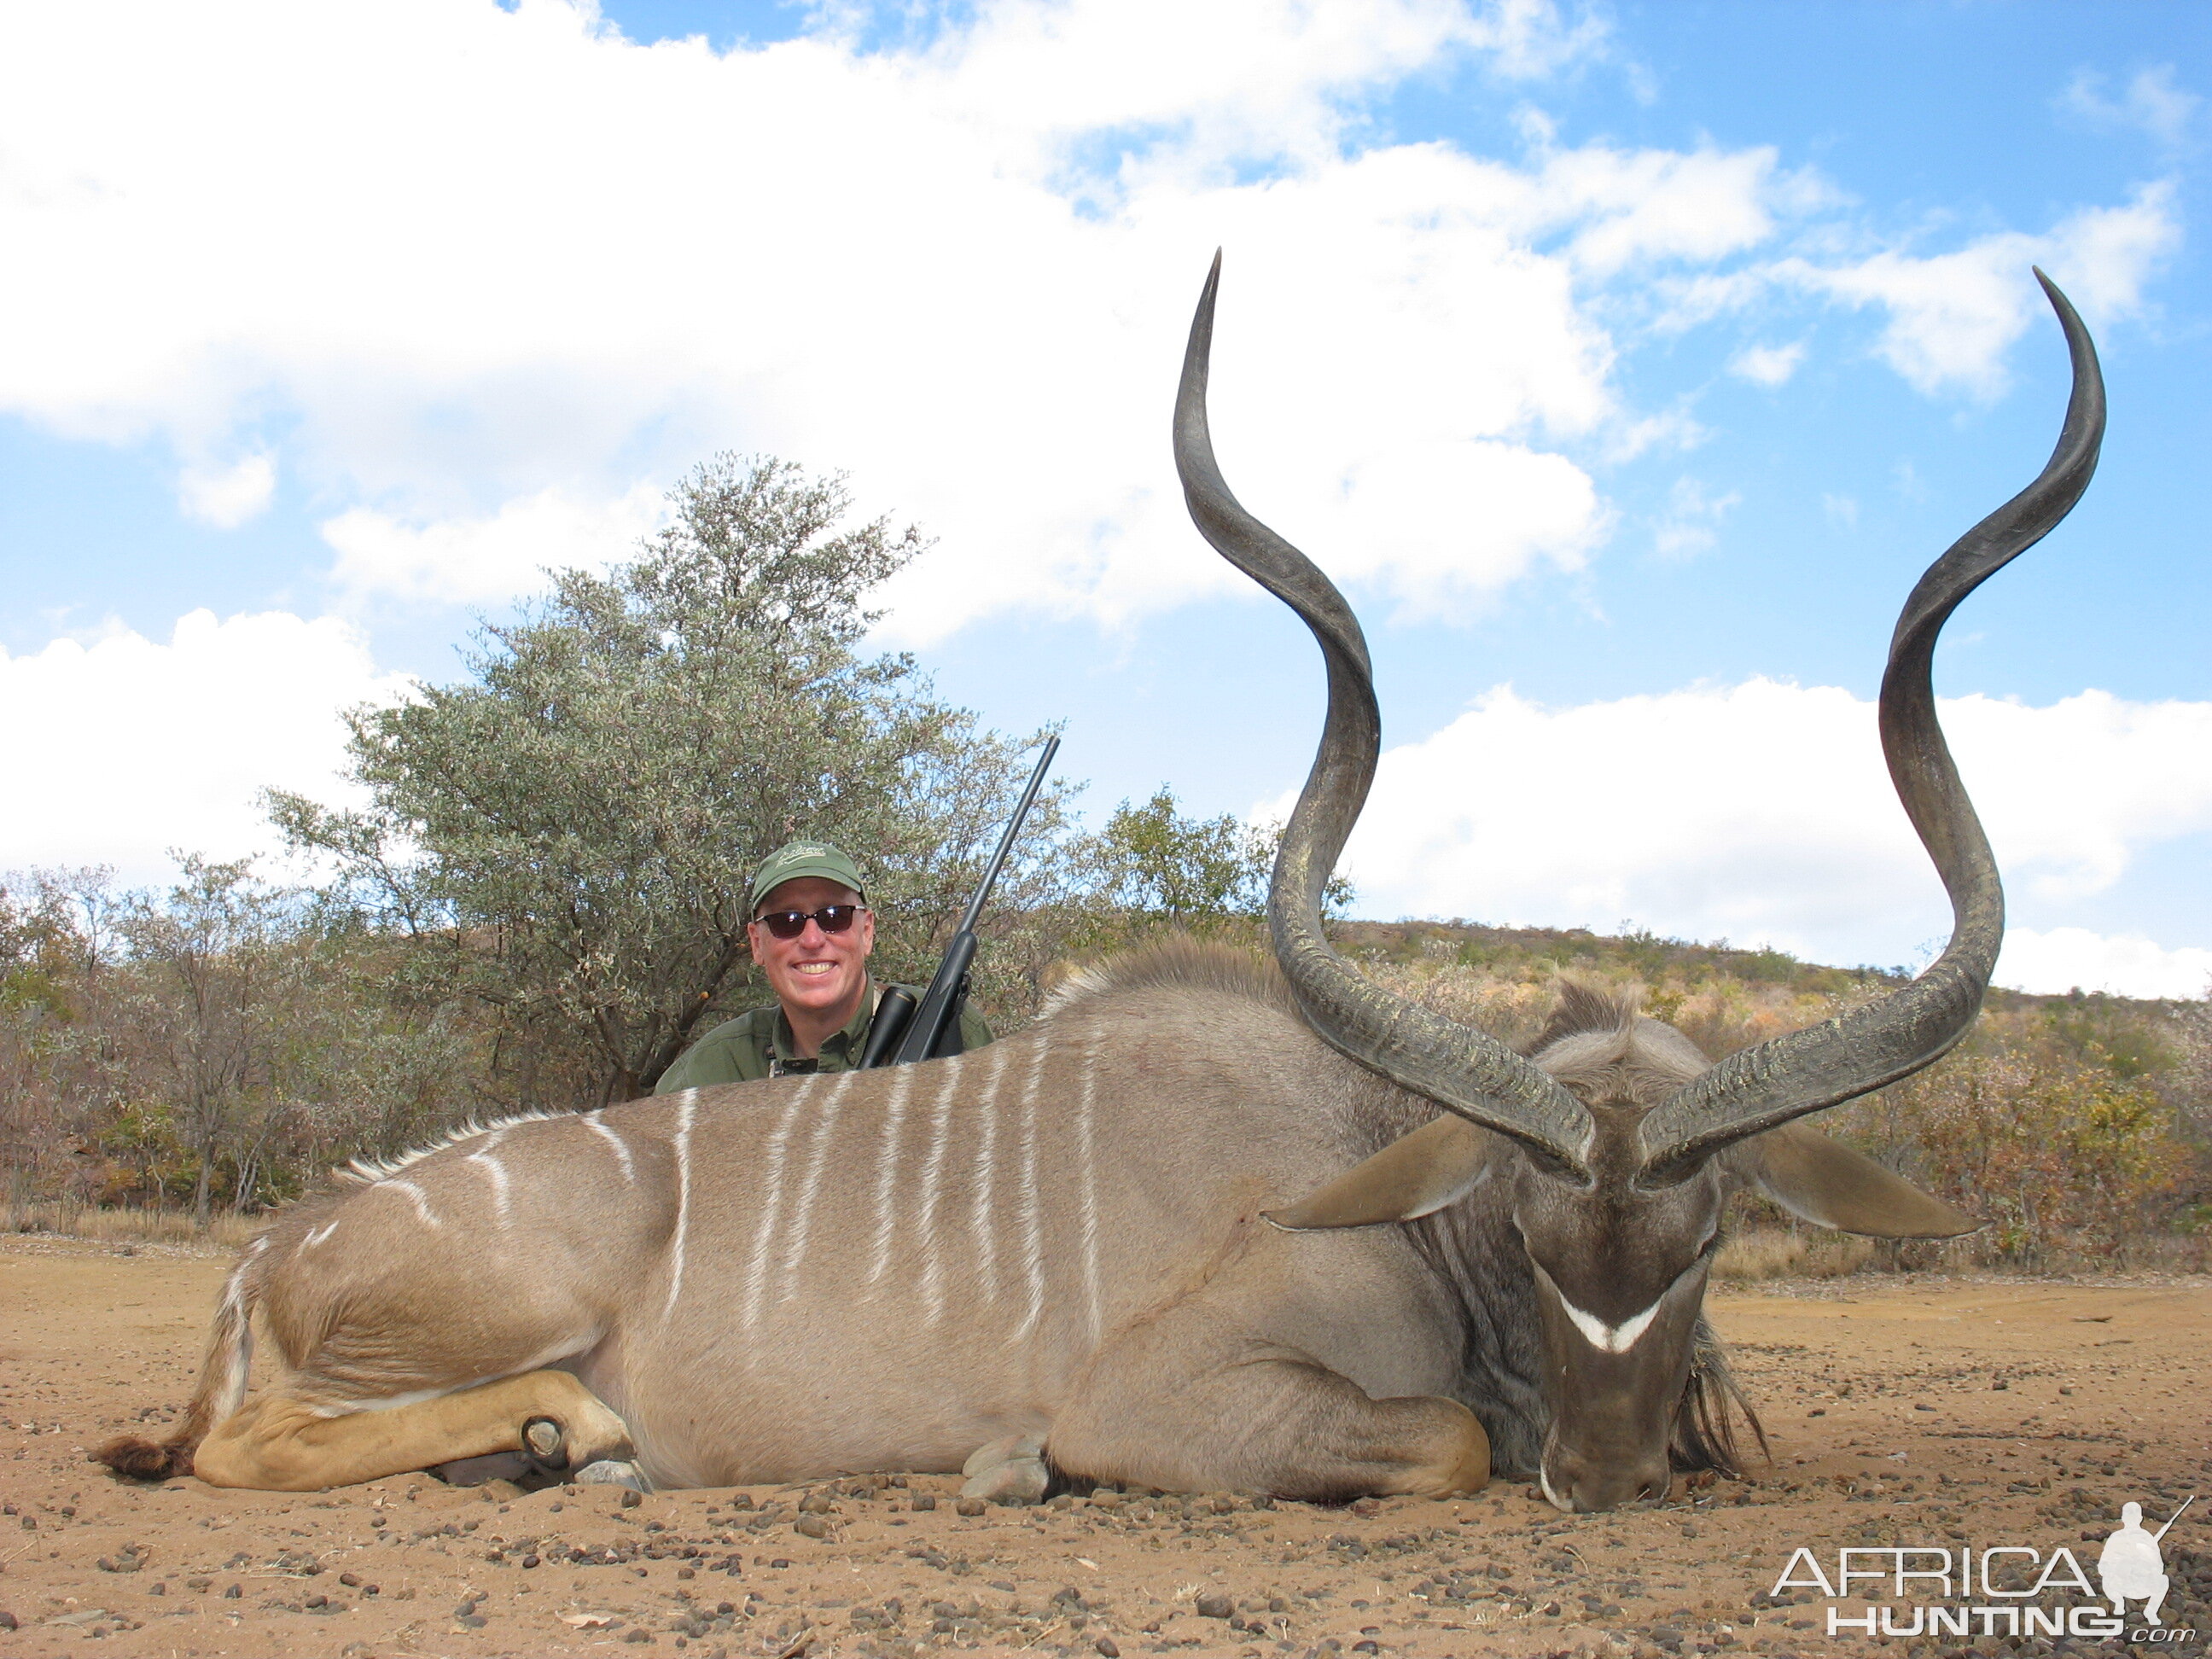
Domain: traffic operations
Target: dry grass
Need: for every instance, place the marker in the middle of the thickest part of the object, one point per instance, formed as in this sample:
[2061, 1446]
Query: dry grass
[1769, 1252]
[130, 1226]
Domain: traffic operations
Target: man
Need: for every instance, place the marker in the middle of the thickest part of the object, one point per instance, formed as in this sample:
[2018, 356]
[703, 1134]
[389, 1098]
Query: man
[811, 932]
[2129, 1564]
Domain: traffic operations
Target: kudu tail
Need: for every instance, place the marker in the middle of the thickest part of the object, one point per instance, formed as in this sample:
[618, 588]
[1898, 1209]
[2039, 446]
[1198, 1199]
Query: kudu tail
[220, 1390]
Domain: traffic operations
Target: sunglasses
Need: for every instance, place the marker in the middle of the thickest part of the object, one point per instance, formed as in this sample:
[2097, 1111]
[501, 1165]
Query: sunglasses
[790, 924]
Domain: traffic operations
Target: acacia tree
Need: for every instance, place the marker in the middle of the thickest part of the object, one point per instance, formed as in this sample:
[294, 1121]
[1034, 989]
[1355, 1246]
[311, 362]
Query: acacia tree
[1151, 866]
[566, 837]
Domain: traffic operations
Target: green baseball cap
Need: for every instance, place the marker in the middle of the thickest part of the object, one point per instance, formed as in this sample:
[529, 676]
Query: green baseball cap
[800, 859]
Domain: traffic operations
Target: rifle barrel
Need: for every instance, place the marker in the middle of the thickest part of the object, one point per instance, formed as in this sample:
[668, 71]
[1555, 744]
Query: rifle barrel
[923, 1029]
[2176, 1515]
[1007, 842]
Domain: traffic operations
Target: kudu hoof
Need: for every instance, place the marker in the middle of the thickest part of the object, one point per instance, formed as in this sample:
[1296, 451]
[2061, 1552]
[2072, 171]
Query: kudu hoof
[545, 1443]
[607, 1472]
[1010, 1471]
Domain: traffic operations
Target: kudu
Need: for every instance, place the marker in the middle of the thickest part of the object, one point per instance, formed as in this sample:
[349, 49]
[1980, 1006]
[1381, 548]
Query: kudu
[1209, 1224]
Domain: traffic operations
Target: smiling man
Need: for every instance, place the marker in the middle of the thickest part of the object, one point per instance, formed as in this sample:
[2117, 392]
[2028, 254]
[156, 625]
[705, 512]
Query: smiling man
[811, 933]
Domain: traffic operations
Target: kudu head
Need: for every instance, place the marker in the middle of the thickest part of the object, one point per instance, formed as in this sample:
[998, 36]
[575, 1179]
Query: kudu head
[1621, 1139]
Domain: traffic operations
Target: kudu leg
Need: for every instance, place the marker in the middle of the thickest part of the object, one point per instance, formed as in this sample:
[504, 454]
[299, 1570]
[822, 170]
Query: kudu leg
[1256, 1418]
[281, 1442]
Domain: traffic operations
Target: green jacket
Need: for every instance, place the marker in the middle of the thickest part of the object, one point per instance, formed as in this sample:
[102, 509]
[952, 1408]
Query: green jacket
[759, 1044]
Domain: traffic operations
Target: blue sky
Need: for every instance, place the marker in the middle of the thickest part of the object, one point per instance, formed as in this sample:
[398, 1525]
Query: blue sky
[1626, 364]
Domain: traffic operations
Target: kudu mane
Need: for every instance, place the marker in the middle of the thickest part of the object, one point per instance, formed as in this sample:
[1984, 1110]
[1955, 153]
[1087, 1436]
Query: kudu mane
[367, 1169]
[1177, 962]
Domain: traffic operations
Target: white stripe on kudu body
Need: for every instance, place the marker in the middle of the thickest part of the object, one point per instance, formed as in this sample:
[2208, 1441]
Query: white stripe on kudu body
[686, 1107]
[595, 1122]
[1088, 1162]
[424, 1213]
[1031, 1203]
[771, 1201]
[933, 1177]
[484, 1158]
[987, 1173]
[817, 1156]
[887, 1194]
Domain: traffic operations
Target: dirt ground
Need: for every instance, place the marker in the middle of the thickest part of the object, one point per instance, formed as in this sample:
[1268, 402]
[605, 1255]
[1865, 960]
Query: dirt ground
[1900, 1410]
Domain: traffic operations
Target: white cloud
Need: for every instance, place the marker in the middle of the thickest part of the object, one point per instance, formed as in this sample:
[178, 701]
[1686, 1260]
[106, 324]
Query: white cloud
[1768, 365]
[500, 263]
[2061, 959]
[1953, 316]
[122, 747]
[227, 497]
[483, 560]
[503, 256]
[1761, 812]
[1641, 205]
[2151, 103]
[1688, 525]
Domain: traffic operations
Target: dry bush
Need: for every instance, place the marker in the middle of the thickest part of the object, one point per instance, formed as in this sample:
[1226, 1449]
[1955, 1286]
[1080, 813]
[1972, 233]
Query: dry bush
[129, 1225]
[1763, 1252]
[1510, 1010]
[2071, 1158]
[1720, 1015]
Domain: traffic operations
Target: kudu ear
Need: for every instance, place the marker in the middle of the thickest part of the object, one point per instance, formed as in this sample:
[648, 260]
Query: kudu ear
[1414, 1176]
[1832, 1185]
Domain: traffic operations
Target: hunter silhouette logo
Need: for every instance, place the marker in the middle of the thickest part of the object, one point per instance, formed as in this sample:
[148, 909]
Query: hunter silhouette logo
[2130, 1565]
[1996, 1590]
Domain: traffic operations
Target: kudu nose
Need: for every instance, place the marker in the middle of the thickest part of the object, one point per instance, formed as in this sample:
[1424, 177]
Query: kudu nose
[1584, 1485]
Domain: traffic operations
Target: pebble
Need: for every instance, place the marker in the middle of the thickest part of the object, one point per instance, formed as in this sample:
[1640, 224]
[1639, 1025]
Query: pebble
[1213, 1607]
[1105, 1644]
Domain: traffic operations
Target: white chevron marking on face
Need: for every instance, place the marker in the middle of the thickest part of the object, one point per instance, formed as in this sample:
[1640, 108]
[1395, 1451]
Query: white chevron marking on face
[1611, 1339]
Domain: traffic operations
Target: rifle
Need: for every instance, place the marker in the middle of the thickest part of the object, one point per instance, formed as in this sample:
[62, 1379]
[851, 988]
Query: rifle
[2176, 1515]
[904, 1030]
